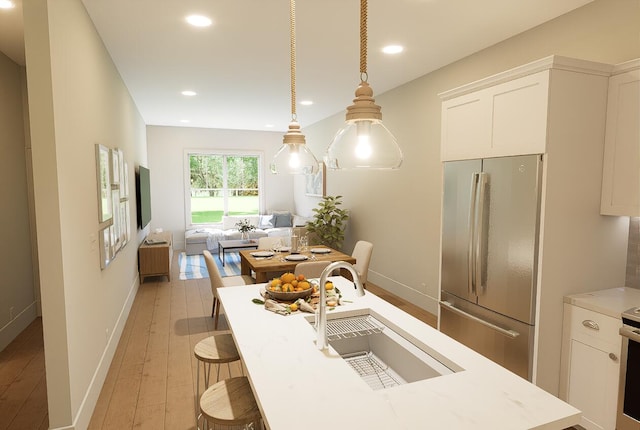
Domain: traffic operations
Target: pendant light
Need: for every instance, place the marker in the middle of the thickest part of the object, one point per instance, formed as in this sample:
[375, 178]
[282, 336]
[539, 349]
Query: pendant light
[363, 142]
[294, 157]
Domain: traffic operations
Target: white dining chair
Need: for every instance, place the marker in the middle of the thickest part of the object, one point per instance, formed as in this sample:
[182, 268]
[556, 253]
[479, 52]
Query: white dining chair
[362, 253]
[311, 269]
[269, 243]
[217, 281]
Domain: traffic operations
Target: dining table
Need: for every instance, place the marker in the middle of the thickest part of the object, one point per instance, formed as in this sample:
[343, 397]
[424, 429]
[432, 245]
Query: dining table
[263, 262]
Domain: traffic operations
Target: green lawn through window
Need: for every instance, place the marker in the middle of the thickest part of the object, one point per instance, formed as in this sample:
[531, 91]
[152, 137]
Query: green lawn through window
[206, 210]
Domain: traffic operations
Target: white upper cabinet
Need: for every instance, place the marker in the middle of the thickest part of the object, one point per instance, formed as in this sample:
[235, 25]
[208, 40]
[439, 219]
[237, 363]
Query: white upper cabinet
[505, 119]
[506, 114]
[621, 170]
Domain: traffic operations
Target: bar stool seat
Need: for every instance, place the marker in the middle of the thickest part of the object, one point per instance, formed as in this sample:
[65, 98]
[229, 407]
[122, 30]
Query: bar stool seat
[216, 349]
[230, 402]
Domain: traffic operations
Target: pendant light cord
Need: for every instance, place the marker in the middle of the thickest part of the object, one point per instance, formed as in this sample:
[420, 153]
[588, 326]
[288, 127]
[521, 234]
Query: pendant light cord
[363, 41]
[292, 18]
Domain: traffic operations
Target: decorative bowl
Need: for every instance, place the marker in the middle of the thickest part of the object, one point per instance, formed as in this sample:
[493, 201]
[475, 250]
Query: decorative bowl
[292, 296]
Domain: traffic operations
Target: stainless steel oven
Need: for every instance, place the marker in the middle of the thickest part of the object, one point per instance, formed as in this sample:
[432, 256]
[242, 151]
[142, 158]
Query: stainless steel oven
[629, 393]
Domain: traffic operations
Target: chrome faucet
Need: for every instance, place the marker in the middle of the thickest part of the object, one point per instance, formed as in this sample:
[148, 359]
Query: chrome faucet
[321, 319]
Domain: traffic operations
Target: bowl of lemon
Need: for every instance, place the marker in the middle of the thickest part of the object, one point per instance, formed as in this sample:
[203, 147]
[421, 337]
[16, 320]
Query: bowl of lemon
[289, 287]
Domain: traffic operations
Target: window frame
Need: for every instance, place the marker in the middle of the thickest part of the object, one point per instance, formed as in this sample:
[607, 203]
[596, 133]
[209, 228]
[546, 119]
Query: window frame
[224, 153]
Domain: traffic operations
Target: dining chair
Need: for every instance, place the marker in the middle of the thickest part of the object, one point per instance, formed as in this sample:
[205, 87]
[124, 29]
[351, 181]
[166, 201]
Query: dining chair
[362, 253]
[269, 242]
[311, 269]
[217, 281]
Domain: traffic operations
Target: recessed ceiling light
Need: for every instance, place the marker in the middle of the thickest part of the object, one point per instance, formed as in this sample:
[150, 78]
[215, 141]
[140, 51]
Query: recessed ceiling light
[189, 93]
[392, 49]
[269, 125]
[306, 102]
[185, 120]
[6, 4]
[198, 20]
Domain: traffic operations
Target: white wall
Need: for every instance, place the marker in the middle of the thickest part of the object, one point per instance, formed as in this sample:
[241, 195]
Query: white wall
[166, 151]
[399, 211]
[77, 99]
[17, 299]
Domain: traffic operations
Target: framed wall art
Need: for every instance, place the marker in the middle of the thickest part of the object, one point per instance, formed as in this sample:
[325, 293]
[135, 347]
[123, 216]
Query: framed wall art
[316, 185]
[113, 203]
[105, 247]
[103, 172]
[116, 158]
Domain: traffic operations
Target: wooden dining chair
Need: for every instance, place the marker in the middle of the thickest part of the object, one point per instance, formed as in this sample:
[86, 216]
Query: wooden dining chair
[217, 281]
[311, 269]
[362, 253]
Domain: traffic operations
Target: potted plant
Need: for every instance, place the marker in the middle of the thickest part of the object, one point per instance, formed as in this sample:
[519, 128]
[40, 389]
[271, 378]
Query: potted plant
[329, 222]
[245, 227]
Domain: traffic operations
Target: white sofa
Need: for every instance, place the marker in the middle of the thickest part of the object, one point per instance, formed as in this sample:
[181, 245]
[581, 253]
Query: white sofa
[275, 224]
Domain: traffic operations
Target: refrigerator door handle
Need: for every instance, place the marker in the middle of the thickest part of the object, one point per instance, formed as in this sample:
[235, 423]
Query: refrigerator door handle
[479, 232]
[471, 222]
[509, 333]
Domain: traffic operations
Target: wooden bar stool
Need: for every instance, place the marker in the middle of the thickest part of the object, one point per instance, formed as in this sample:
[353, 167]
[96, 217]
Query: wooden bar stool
[230, 402]
[216, 349]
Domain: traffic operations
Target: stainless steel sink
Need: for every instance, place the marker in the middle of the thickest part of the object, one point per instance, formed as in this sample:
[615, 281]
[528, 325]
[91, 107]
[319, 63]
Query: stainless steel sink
[383, 356]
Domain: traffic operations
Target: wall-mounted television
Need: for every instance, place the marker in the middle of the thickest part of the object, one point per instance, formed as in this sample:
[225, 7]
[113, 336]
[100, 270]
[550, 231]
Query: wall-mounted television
[143, 196]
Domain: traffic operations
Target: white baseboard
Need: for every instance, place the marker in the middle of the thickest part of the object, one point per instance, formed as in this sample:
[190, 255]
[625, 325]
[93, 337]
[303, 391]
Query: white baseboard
[14, 327]
[83, 417]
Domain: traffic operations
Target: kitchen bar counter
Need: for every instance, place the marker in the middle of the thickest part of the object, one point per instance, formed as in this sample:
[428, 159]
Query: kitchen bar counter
[611, 302]
[299, 386]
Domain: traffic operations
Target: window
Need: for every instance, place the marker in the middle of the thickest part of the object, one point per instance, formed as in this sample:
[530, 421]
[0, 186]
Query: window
[222, 184]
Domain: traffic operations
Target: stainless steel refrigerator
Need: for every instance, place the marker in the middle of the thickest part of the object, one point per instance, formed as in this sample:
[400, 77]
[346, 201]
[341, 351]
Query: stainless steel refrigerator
[491, 213]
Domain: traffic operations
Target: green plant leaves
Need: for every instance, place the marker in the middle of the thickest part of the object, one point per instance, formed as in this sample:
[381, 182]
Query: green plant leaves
[329, 222]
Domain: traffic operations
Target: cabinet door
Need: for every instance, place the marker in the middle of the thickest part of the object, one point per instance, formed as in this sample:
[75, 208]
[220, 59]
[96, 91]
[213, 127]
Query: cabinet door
[466, 126]
[519, 116]
[593, 387]
[498, 121]
[591, 365]
[621, 171]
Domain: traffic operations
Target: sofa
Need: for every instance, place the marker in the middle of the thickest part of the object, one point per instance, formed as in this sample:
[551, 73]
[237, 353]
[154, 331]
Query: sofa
[278, 223]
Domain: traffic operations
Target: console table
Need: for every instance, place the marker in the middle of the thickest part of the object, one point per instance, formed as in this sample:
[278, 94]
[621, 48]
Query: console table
[154, 256]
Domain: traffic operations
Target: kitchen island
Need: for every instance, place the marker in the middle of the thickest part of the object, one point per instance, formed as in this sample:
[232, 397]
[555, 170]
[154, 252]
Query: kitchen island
[298, 386]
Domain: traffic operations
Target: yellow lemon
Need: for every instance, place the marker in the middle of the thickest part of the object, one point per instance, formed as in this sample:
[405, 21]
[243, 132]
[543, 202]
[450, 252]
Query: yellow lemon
[328, 286]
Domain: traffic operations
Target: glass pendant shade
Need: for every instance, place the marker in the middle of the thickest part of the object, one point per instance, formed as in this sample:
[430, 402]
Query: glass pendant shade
[363, 142]
[294, 157]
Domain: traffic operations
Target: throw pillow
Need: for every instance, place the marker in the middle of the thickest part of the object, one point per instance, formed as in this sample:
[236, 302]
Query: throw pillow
[266, 221]
[282, 220]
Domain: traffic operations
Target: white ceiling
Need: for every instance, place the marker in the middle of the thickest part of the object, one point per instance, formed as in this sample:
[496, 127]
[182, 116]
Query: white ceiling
[240, 66]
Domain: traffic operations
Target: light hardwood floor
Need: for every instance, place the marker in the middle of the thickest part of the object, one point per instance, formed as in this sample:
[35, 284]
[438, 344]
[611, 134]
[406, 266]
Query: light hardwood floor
[151, 381]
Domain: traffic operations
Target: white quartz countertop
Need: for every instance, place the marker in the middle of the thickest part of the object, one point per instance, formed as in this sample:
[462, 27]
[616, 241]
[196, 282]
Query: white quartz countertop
[299, 386]
[612, 301]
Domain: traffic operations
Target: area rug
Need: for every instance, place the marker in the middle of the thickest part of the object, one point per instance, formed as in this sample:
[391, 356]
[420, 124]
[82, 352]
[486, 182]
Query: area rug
[194, 266]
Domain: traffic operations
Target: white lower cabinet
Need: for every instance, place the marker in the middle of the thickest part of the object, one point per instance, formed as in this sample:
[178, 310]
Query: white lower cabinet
[591, 365]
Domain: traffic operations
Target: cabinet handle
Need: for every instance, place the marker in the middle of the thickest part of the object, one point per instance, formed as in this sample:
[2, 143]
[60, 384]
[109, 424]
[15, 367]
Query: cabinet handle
[613, 356]
[591, 324]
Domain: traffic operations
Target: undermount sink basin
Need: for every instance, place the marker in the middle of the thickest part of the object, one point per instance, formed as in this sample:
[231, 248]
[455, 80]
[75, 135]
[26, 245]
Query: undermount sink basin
[383, 356]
